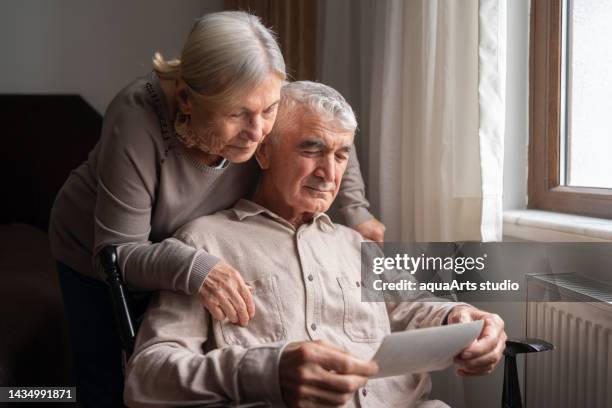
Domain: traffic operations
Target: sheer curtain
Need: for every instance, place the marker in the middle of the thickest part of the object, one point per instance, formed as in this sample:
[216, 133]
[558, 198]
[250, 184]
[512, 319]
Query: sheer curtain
[427, 78]
[429, 89]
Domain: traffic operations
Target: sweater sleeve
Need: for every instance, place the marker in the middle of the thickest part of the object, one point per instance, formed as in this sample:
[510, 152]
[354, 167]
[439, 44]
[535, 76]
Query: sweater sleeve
[169, 366]
[127, 173]
[351, 198]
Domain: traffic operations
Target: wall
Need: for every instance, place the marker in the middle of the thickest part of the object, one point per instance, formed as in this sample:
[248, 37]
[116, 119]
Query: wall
[92, 48]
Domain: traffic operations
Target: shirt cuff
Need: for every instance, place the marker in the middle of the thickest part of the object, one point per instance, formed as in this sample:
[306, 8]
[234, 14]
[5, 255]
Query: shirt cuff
[355, 215]
[258, 374]
[202, 264]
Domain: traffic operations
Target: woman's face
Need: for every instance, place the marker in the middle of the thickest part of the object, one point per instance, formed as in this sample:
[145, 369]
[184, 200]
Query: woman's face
[234, 133]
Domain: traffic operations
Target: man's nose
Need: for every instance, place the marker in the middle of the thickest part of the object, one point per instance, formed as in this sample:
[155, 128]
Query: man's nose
[326, 168]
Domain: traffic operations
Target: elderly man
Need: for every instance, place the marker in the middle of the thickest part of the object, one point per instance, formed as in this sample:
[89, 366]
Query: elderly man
[311, 337]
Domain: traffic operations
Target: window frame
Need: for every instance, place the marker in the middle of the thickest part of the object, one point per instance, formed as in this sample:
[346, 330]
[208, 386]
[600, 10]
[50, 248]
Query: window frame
[544, 189]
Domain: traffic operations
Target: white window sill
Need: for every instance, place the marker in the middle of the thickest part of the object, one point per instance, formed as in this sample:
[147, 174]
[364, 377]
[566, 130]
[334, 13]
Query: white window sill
[545, 226]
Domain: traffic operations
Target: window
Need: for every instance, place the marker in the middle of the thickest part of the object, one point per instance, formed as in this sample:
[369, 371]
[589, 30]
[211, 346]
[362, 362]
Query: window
[570, 168]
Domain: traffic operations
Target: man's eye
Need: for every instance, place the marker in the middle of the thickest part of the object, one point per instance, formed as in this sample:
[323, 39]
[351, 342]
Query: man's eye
[310, 152]
[341, 157]
[236, 114]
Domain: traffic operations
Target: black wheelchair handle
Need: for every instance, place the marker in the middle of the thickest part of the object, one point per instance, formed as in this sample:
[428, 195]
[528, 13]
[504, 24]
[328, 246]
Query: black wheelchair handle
[520, 346]
[127, 332]
[511, 395]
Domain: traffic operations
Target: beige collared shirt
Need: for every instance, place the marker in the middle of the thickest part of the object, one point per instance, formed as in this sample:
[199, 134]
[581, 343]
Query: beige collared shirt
[306, 286]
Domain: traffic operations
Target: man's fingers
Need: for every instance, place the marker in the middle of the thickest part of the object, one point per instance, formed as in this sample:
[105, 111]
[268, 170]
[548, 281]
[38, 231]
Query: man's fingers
[487, 360]
[481, 356]
[322, 374]
[485, 343]
[464, 317]
[478, 348]
[485, 364]
[343, 363]
[492, 328]
[340, 383]
[482, 362]
[465, 373]
[330, 346]
[318, 384]
[461, 314]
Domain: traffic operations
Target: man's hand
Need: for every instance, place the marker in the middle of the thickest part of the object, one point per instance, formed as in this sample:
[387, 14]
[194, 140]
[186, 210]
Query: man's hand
[318, 374]
[372, 230]
[481, 356]
[225, 294]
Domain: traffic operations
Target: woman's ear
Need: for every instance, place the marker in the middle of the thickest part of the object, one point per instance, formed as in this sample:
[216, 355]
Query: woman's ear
[182, 97]
[262, 154]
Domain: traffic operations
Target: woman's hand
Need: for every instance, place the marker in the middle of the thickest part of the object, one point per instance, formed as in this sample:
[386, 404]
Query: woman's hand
[372, 230]
[225, 294]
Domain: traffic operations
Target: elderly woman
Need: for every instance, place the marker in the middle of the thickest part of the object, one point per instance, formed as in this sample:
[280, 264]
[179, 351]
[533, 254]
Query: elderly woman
[175, 145]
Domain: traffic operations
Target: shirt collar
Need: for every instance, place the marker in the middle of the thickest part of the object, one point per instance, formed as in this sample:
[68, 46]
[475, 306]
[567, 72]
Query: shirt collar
[246, 208]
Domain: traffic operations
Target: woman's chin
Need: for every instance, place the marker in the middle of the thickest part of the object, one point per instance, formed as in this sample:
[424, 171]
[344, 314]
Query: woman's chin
[238, 155]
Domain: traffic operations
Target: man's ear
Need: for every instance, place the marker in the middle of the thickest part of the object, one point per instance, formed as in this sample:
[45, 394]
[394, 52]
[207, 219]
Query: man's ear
[262, 154]
[182, 97]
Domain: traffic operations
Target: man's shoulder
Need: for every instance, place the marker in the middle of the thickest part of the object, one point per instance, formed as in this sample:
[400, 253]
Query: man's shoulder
[346, 233]
[206, 227]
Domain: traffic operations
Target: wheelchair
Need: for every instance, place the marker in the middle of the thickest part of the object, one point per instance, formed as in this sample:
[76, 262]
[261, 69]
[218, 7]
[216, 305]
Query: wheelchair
[129, 308]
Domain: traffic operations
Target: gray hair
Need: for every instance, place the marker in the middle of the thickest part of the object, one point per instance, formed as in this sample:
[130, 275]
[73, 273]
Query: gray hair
[316, 98]
[225, 53]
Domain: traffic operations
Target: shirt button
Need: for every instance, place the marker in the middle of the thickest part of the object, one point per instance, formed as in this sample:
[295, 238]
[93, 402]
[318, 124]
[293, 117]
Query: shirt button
[313, 326]
[357, 283]
[310, 278]
[364, 392]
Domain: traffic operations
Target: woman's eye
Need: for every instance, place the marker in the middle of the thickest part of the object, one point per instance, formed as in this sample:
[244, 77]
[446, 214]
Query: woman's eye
[269, 110]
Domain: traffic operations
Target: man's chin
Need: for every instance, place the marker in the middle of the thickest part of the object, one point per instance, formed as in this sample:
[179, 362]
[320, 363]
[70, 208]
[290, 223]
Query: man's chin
[318, 205]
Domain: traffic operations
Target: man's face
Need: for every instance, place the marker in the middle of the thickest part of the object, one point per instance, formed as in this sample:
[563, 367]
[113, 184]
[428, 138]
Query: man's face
[306, 163]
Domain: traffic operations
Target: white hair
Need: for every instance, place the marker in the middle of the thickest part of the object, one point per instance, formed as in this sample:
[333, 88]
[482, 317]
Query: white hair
[226, 53]
[316, 98]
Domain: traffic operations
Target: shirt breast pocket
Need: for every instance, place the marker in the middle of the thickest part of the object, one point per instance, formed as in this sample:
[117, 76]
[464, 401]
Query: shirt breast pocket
[364, 322]
[267, 325]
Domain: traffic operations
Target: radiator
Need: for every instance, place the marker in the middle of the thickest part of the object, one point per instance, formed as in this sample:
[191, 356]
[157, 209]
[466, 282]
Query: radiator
[578, 373]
